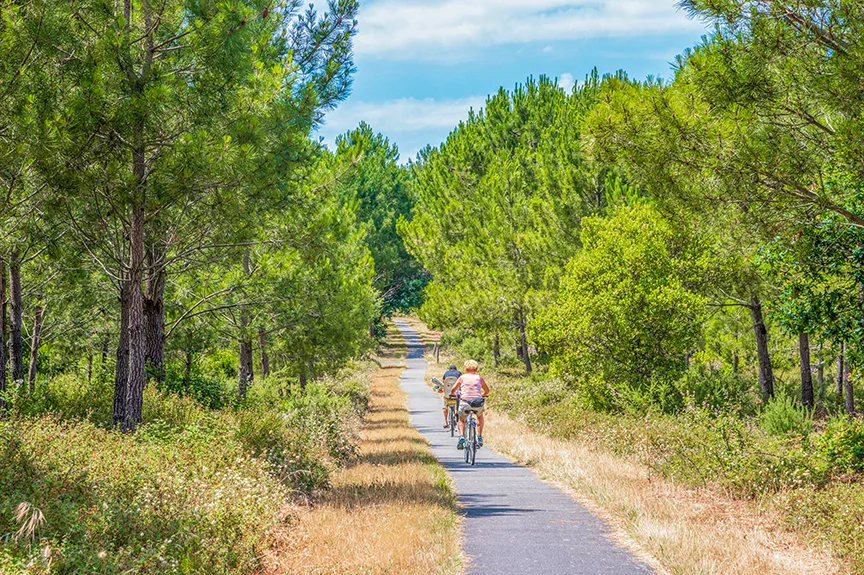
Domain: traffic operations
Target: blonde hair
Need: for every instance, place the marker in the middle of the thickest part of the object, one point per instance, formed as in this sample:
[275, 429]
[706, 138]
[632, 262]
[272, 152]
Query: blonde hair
[471, 365]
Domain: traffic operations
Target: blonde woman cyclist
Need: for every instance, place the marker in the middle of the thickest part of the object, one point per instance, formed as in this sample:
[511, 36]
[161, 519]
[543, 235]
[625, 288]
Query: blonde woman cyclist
[472, 390]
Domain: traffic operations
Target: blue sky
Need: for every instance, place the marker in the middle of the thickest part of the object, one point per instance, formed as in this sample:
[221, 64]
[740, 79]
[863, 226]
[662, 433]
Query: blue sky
[422, 64]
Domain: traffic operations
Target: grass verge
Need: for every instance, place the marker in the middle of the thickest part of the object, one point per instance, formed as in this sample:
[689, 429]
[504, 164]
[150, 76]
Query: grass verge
[393, 511]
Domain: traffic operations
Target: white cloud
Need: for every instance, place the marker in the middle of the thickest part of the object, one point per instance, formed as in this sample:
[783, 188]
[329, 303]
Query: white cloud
[435, 29]
[567, 81]
[405, 120]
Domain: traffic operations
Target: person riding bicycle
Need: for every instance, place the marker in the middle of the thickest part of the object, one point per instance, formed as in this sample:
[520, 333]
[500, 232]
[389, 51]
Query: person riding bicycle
[450, 377]
[472, 390]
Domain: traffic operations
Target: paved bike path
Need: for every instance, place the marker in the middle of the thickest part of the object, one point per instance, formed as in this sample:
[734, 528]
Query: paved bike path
[514, 522]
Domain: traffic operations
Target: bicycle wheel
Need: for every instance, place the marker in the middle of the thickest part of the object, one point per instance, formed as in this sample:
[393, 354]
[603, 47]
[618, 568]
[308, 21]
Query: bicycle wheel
[473, 440]
[453, 423]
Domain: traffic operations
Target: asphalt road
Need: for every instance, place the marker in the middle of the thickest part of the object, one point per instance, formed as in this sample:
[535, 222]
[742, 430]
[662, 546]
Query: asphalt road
[514, 522]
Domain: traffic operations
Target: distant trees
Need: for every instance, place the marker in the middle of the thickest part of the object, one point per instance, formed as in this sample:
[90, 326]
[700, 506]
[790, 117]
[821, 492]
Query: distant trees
[498, 209]
[370, 177]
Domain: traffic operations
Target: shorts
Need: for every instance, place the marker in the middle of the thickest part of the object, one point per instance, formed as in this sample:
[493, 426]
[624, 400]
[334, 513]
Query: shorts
[464, 407]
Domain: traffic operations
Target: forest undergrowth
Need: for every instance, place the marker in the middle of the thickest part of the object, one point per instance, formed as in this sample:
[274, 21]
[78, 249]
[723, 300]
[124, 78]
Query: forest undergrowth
[194, 490]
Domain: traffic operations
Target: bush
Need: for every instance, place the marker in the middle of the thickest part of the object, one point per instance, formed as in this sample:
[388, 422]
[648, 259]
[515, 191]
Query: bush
[718, 390]
[71, 396]
[628, 308]
[782, 416]
[194, 490]
[842, 445]
[212, 391]
[115, 503]
[831, 515]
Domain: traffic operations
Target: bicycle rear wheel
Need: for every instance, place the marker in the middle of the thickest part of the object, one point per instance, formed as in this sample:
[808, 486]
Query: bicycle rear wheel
[472, 441]
[453, 423]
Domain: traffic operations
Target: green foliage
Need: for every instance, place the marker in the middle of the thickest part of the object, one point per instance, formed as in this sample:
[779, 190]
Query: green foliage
[378, 184]
[498, 207]
[211, 391]
[718, 390]
[69, 396]
[783, 416]
[628, 310]
[829, 516]
[842, 445]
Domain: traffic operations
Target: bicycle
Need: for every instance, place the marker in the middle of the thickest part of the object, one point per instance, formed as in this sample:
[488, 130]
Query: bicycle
[470, 436]
[453, 417]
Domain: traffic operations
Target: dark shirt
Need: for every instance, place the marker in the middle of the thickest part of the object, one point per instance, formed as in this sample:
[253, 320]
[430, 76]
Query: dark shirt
[452, 373]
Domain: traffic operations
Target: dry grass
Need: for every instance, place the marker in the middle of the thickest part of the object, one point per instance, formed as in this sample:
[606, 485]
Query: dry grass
[688, 531]
[393, 511]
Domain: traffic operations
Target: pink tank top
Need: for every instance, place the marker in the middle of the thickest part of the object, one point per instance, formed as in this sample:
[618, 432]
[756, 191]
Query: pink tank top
[471, 388]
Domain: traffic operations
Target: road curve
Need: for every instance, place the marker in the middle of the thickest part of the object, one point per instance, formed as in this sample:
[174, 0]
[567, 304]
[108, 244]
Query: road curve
[514, 522]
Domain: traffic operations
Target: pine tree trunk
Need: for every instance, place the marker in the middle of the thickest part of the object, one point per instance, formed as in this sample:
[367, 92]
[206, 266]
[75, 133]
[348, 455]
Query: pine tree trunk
[3, 374]
[137, 355]
[121, 365]
[16, 357]
[523, 340]
[820, 374]
[841, 369]
[766, 373]
[849, 396]
[154, 318]
[265, 359]
[806, 373]
[496, 350]
[302, 378]
[245, 373]
[735, 361]
[187, 367]
[89, 368]
[34, 348]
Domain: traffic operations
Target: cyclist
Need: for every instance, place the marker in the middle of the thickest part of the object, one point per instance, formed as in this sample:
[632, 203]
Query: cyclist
[450, 377]
[472, 393]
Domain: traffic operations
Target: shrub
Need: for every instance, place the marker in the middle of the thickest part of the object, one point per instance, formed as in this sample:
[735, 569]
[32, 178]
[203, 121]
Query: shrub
[175, 411]
[628, 308]
[115, 503]
[831, 515]
[70, 395]
[782, 416]
[213, 391]
[842, 445]
[718, 390]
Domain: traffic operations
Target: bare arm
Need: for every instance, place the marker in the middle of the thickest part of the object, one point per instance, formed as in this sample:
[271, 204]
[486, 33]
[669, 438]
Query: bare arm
[484, 386]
